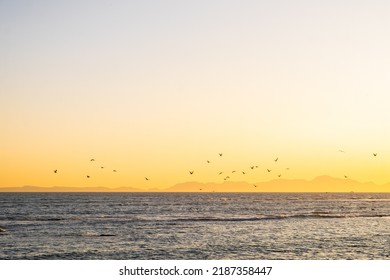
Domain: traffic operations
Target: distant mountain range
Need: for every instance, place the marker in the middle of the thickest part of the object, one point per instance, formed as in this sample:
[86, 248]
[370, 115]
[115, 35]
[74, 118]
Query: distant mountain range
[318, 184]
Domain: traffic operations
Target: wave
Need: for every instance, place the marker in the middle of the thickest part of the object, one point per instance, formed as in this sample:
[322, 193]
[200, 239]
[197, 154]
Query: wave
[278, 217]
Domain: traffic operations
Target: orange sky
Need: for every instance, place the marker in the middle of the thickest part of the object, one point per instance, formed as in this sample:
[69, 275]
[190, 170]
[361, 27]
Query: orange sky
[156, 90]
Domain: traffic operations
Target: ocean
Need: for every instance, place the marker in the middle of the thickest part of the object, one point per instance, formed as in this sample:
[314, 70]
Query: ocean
[165, 226]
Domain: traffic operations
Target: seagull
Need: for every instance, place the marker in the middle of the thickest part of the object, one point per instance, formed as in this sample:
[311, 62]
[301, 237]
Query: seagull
[191, 172]
[252, 167]
[269, 170]
[276, 159]
[234, 171]
[279, 175]
[243, 172]
[208, 161]
[146, 178]
[88, 176]
[375, 154]
[341, 151]
[114, 170]
[102, 167]
[220, 173]
[55, 171]
[92, 159]
[220, 154]
[345, 176]
[255, 186]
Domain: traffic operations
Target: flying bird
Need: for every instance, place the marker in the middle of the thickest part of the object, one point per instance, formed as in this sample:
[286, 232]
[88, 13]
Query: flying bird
[252, 167]
[102, 167]
[345, 176]
[375, 154]
[92, 159]
[276, 159]
[146, 178]
[220, 173]
[279, 175]
[234, 171]
[114, 170]
[269, 170]
[88, 176]
[341, 151]
[243, 172]
[220, 154]
[255, 186]
[191, 172]
[55, 171]
[208, 161]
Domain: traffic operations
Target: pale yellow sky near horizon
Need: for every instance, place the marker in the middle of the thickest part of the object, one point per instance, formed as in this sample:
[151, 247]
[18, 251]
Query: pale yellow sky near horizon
[157, 88]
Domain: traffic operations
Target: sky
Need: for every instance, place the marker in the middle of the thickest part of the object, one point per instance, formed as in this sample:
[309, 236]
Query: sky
[156, 88]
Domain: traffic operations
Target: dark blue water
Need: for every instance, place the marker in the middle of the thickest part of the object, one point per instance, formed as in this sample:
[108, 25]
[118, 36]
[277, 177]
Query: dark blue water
[194, 226]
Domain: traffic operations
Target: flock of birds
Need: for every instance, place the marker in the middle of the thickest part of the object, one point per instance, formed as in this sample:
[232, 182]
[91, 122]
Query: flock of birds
[225, 178]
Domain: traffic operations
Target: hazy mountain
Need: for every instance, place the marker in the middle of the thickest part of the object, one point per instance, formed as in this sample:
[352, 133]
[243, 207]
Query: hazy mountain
[318, 184]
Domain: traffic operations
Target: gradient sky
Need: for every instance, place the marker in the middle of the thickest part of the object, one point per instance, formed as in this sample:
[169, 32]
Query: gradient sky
[156, 88]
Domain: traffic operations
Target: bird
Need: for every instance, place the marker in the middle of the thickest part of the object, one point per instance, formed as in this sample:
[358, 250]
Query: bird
[257, 166]
[220, 173]
[234, 171]
[345, 176]
[191, 172]
[55, 171]
[92, 159]
[146, 178]
[88, 176]
[375, 154]
[220, 154]
[243, 172]
[200, 189]
[269, 170]
[279, 175]
[114, 170]
[252, 167]
[102, 167]
[255, 186]
[341, 151]
[276, 159]
[208, 161]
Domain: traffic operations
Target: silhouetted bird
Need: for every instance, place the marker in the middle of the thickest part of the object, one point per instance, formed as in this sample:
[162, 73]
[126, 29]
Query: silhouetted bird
[276, 159]
[255, 186]
[191, 172]
[55, 171]
[208, 161]
[102, 167]
[279, 175]
[269, 170]
[234, 171]
[220, 173]
[114, 170]
[252, 167]
[243, 172]
[146, 178]
[220, 154]
[88, 176]
[341, 151]
[375, 154]
[92, 159]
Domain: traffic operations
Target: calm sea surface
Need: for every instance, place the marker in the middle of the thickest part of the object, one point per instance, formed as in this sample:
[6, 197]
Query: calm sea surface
[194, 226]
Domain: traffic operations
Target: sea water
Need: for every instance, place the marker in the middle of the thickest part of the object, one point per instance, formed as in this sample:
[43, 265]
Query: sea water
[165, 226]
